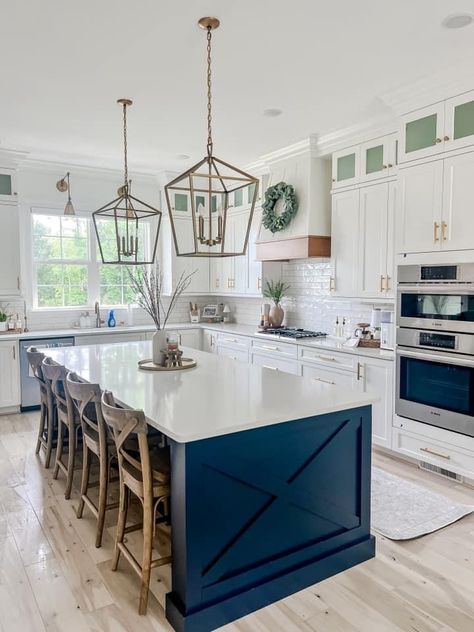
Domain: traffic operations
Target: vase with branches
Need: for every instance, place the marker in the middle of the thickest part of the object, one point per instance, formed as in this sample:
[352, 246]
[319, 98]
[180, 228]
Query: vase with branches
[147, 283]
[276, 291]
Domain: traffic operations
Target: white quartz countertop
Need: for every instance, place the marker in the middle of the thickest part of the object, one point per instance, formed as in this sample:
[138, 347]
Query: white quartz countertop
[329, 343]
[219, 396]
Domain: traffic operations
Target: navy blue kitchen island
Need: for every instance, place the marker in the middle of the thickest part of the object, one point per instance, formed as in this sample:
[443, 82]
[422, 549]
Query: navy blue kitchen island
[270, 476]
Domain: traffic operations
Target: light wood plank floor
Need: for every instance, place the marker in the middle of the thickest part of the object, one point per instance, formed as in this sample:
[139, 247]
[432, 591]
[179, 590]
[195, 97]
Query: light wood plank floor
[53, 578]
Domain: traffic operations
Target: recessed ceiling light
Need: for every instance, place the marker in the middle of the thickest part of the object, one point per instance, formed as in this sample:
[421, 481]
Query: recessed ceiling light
[183, 157]
[457, 20]
[272, 112]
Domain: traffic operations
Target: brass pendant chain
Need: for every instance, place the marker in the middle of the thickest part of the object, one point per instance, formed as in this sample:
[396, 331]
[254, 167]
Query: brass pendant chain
[209, 95]
[125, 162]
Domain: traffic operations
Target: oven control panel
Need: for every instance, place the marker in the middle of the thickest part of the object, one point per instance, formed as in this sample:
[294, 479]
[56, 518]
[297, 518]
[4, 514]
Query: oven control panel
[437, 341]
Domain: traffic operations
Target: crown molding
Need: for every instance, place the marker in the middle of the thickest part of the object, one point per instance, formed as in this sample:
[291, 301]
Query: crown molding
[59, 167]
[448, 82]
[308, 145]
[355, 134]
[12, 157]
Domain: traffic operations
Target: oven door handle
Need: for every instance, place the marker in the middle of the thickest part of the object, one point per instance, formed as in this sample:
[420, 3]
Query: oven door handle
[442, 357]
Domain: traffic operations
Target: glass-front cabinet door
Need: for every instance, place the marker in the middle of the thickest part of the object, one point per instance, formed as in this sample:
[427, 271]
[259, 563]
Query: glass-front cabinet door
[459, 125]
[345, 167]
[7, 185]
[378, 158]
[422, 133]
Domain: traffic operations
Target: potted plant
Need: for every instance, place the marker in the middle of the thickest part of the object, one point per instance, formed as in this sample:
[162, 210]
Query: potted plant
[147, 282]
[4, 316]
[276, 290]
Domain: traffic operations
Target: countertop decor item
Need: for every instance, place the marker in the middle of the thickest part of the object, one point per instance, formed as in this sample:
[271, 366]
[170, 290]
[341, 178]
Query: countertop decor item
[147, 283]
[273, 194]
[210, 188]
[149, 365]
[276, 291]
[365, 336]
[4, 316]
[111, 322]
[65, 185]
[123, 224]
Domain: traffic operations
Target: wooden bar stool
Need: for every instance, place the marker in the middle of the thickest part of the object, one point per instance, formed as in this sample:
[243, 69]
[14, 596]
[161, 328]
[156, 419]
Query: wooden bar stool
[47, 425]
[95, 440]
[145, 474]
[68, 421]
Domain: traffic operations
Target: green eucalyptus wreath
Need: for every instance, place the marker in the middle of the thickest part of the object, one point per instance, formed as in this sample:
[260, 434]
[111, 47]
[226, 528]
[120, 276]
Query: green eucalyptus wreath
[270, 219]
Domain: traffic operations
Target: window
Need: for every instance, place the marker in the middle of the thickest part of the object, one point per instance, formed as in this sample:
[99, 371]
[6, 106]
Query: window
[67, 269]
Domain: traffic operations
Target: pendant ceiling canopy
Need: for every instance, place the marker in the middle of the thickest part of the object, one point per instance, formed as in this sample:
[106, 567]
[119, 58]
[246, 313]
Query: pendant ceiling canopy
[202, 201]
[127, 229]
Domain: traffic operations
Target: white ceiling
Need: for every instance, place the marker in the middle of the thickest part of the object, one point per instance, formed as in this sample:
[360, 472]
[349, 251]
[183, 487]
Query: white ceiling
[64, 64]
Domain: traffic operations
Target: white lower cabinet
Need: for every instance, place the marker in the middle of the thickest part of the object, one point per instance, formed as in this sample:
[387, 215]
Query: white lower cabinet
[190, 338]
[209, 341]
[108, 339]
[233, 353]
[275, 362]
[377, 379]
[10, 374]
[332, 377]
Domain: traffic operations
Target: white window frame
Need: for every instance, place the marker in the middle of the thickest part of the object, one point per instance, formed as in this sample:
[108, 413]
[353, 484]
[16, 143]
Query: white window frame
[92, 263]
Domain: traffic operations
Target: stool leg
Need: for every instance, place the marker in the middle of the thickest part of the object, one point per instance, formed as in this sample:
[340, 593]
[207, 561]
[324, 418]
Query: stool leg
[86, 469]
[147, 552]
[59, 447]
[51, 423]
[71, 459]
[42, 425]
[103, 485]
[122, 520]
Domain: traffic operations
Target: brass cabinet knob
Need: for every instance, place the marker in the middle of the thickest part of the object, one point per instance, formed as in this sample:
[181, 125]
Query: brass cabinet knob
[334, 179]
[390, 165]
[446, 138]
[384, 167]
[438, 140]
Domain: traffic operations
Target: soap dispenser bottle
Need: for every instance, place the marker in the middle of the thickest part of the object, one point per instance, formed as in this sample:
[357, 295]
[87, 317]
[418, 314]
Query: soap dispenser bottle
[111, 321]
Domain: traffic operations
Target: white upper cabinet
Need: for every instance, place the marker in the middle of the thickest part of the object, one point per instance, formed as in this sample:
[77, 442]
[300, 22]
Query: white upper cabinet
[255, 274]
[441, 127]
[422, 133]
[378, 158]
[8, 191]
[345, 167]
[421, 199]
[344, 242]
[9, 251]
[459, 121]
[458, 203]
[376, 240]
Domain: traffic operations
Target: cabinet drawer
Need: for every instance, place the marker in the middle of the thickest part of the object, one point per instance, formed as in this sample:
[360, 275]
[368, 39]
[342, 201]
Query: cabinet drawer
[234, 354]
[329, 376]
[275, 363]
[440, 454]
[242, 342]
[344, 361]
[279, 349]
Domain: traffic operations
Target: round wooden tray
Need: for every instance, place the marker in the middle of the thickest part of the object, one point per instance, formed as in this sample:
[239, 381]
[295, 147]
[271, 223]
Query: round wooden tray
[149, 365]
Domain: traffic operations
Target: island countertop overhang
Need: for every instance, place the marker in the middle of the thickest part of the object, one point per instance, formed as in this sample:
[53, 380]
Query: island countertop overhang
[218, 397]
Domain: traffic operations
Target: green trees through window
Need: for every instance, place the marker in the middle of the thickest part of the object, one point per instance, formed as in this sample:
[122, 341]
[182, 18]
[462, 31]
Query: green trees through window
[67, 270]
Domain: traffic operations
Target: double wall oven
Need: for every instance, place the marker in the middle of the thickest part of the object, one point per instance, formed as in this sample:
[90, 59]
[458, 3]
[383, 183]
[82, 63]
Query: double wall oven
[435, 345]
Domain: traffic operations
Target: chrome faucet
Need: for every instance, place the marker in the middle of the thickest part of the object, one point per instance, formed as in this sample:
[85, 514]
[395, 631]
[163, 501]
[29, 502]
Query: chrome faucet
[98, 320]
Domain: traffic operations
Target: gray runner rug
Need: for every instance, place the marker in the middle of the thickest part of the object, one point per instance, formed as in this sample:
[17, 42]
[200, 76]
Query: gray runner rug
[402, 510]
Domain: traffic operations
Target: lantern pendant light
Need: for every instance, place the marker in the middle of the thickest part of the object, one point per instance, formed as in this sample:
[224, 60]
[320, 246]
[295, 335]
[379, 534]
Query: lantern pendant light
[126, 226]
[200, 200]
[65, 185]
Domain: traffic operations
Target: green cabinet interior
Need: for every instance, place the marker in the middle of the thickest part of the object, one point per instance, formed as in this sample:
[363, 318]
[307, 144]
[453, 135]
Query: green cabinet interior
[5, 184]
[463, 120]
[181, 202]
[238, 197]
[346, 166]
[374, 159]
[421, 133]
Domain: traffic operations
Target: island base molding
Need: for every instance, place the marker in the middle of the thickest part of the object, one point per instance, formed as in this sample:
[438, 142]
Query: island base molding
[233, 608]
[260, 514]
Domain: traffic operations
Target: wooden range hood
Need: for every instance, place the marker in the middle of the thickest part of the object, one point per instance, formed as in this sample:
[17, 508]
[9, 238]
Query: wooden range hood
[309, 233]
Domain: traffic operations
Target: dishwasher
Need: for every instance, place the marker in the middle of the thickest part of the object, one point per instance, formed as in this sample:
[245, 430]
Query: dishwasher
[30, 393]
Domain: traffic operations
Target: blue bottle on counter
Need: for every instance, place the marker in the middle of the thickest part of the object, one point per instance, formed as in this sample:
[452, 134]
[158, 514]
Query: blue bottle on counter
[111, 322]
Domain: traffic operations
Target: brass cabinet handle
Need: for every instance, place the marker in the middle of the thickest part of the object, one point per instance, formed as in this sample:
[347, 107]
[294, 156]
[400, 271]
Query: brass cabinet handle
[444, 226]
[438, 140]
[268, 348]
[446, 138]
[325, 358]
[387, 284]
[435, 231]
[259, 283]
[332, 283]
[14, 352]
[217, 282]
[443, 456]
[360, 371]
[382, 282]
[320, 379]
[267, 366]
[18, 283]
